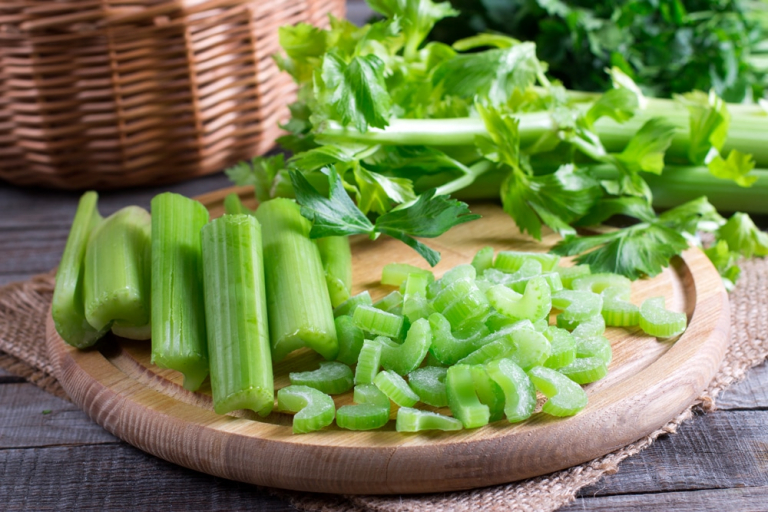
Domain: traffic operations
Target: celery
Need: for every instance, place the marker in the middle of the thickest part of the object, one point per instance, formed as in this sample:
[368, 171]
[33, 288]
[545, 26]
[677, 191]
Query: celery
[597, 283]
[563, 347]
[337, 263]
[658, 321]
[458, 298]
[488, 392]
[350, 340]
[497, 321]
[446, 347]
[458, 273]
[142, 333]
[395, 387]
[236, 315]
[541, 325]
[429, 384]
[617, 310]
[395, 274]
[368, 362]
[362, 417]
[566, 398]
[511, 261]
[405, 357]
[349, 306]
[299, 308]
[314, 408]
[331, 378]
[531, 348]
[392, 303]
[568, 274]
[483, 260]
[233, 206]
[577, 305]
[415, 420]
[589, 328]
[533, 305]
[378, 322]
[596, 346]
[519, 392]
[67, 307]
[117, 270]
[585, 370]
[415, 305]
[178, 310]
[370, 394]
[462, 399]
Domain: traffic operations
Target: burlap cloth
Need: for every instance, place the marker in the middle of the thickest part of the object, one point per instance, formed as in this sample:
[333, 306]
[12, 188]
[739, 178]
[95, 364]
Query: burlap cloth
[23, 308]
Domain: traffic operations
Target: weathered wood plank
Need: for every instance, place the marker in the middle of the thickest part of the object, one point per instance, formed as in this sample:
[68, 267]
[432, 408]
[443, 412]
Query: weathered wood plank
[716, 500]
[32, 418]
[751, 393]
[117, 477]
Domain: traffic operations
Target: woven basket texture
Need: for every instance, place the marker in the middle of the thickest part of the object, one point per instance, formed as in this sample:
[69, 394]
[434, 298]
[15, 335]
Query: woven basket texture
[117, 93]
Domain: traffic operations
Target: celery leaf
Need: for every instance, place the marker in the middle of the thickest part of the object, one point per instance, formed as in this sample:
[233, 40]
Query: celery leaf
[736, 167]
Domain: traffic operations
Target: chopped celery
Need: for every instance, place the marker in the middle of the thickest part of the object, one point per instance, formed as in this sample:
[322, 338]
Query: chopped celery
[519, 392]
[395, 387]
[585, 370]
[459, 299]
[577, 305]
[362, 417]
[429, 384]
[178, 310]
[406, 357]
[331, 378]
[458, 273]
[232, 206]
[143, 333]
[533, 305]
[368, 362]
[563, 347]
[117, 270]
[67, 307]
[528, 270]
[511, 261]
[500, 347]
[377, 321]
[370, 394]
[566, 398]
[541, 325]
[236, 315]
[392, 303]
[488, 392]
[395, 274]
[596, 346]
[431, 360]
[657, 321]
[415, 305]
[589, 328]
[597, 283]
[299, 308]
[497, 321]
[446, 347]
[337, 263]
[483, 260]
[415, 420]
[350, 340]
[314, 409]
[617, 310]
[462, 399]
[568, 274]
[349, 306]
[531, 348]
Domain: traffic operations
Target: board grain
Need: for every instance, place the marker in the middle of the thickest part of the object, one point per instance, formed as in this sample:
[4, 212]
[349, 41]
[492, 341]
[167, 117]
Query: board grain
[649, 383]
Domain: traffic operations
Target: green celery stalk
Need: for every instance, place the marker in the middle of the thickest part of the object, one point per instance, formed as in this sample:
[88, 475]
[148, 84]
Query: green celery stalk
[117, 270]
[236, 315]
[178, 310]
[300, 311]
[67, 307]
[233, 205]
[336, 256]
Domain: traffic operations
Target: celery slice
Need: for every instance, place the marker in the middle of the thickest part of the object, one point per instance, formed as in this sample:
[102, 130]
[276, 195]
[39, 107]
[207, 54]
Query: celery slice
[395, 387]
[395, 274]
[67, 307]
[483, 260]
[462, 399]
[370, 394]
[598, 283]
[331, 378]
[531, 348]
[511, 261]
[405, 357]
[566, 398]
[589, 328]
[617, 310]
[496, 321]
[415, 305]
[519, 392]
[350, 340]
[299, 308]
[233, 206]
[236, 315]
[376, 321]
[577, 305]
[535, 304]
[142, 333]
[585, 370]
[568, 274]
[368, 362]
[488, 392]
[459, 299]
[657, 321]
[563, 347]
[336, 257]
[596, 346]
[457, 273]
[314, 409]
[117, 270]
[362, 417]
[496, 349]
[349, 306]
[429, 384]
[528, 270]
[446, 347]
[431, 360]
[392, 303]
[415, 420]
[179, 339]
[541, 325]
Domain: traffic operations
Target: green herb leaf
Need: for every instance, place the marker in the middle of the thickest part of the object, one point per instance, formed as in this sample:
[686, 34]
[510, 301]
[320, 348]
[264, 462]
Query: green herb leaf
[709, 122]
[618, 104]
[262, 172]
[743, 236]
[724, 261]
[635, 207]
[417, 17]
[428, 217]
[736, 167]
[377, 193]
[645, 151]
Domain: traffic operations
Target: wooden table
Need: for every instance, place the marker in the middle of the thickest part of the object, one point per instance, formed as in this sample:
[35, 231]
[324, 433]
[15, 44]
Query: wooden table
[52, 456]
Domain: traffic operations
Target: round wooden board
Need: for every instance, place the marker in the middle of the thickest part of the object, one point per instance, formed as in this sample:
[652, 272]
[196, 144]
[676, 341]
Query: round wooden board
[649, 383]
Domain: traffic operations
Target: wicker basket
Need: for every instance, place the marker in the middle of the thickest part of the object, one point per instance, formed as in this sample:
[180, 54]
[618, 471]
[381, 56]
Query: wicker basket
[115, 93]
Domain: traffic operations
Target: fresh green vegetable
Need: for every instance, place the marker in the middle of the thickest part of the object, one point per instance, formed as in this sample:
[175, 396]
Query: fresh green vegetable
[395, 274]
[488, 392]
[533, 305]
[657, 321]
[577, 305]
[234, 206]
[67, 307]
[336, 256]
[236, 315]
[178, 309]
[585, 370]
[429, 384]
[368, 363]
[446, 347]
[362, 417]
[462, 399]
[511, 261]
[370, 394]
[562, 347]
[348, 306]
[568, 274]
[393, 385]
[376, 321]
[299, 308]
[617, 310]
[350, 339]
[415, 305]
[415, 420]
[519, 393]
[566, 398]
[392, 303]
[403, 358]
[332, 378]
[314, 409]
[483, 260]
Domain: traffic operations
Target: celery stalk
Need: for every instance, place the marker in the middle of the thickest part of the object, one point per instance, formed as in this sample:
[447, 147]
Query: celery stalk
[233, 205]
[67, 308]
[178, 311]
[236, 315]
[336, 256]
[299, 308]
[117, 268]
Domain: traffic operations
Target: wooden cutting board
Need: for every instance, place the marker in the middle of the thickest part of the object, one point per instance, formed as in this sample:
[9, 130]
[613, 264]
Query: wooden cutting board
[649, 383]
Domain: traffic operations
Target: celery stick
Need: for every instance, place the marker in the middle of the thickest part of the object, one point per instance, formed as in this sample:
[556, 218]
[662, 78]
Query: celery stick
[349, 306]
[232, 206]
[368, 362]
[416, 420]
[362, 417]
[179, 339]
[589, 328]
[331, 378]
[405, 357]
[314, 408]
[236, 315]
[511, 261]
[596, 346]
[519, 392]
[415, 305]
[68, 303]
[429, 384]
[377, 321]
[395, 274]
[392, 303]
[141, 333]
[117, 270]
[566, 398]
[350, 340]
[462, 399]
[395, 387]
[299, 308]
[337, 263]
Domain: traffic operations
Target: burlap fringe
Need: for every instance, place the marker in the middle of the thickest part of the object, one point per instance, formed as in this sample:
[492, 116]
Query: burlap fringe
[23, 307]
